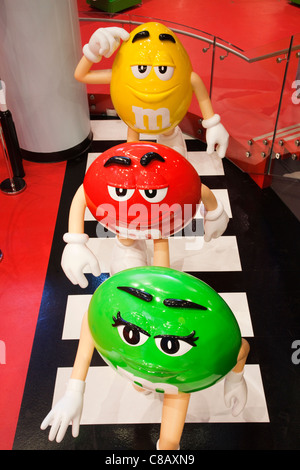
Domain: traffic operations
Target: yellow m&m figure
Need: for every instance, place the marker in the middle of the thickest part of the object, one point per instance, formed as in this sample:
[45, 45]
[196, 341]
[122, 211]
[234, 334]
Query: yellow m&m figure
[151, 83]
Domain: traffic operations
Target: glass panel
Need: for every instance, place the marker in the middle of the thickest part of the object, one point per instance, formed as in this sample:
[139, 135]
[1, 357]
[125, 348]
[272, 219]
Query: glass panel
[286, 146]
[246, 93]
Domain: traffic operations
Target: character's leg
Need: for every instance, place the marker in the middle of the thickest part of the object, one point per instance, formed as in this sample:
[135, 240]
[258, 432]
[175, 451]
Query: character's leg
[173, 418]
[127, 254]
[132, 135]
[161, 254]
[174, 139]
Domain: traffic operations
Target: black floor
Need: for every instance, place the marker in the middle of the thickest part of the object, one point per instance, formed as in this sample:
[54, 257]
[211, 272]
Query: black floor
[268, 237]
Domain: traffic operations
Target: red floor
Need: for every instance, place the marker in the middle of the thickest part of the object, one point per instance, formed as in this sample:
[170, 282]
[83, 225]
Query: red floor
[28, 219]
[27, 224]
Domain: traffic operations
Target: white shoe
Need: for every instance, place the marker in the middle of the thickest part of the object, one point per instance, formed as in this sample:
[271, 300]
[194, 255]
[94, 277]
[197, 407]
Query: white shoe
[157, 446]
[125, 257]
[174, 141]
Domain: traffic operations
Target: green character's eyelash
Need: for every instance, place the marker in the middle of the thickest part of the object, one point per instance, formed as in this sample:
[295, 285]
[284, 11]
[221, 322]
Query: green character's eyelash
[190, 339]
[129, 332]
[120, 321]
[173, 345]
[134, 335]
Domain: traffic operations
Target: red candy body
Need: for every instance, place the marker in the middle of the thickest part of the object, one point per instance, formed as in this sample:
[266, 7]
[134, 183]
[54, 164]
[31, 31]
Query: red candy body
[142, 190]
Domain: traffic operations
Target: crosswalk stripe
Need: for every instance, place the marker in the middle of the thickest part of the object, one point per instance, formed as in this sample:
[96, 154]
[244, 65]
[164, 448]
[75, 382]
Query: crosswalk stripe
[190, 254]
[111, 399]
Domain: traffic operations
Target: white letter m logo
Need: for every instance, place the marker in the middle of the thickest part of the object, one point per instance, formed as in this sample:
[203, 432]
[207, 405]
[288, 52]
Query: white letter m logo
[156, 120]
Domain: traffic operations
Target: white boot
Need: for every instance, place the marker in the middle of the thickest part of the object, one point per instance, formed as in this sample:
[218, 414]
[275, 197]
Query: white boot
[174, 141]
[125, 257]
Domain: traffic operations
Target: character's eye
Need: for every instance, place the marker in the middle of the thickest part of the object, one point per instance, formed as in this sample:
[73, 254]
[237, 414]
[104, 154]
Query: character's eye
[172, 346]
[131, 334]
[154, 195]
[120, 194]
[164, 72]
[141, 71]
[175, 345]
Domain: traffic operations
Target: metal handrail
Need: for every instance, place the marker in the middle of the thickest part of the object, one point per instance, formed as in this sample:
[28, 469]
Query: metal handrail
[202, 38]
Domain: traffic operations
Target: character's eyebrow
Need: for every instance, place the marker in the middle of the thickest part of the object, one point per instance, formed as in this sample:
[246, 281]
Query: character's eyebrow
[141, 35]
[120, 321]
[166, 37]
[190, 339]
[148, 157]
[137, 293]
[119, 160]
[178, 303]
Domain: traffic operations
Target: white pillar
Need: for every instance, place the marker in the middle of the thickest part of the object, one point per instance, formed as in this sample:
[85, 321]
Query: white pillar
[40, 46]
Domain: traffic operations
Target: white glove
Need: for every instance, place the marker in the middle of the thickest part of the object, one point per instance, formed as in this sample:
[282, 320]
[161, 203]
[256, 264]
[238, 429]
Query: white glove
[67, 409]
[215, 222]
[235, 392]
[104, 42]
[216, 134]
[76, 256]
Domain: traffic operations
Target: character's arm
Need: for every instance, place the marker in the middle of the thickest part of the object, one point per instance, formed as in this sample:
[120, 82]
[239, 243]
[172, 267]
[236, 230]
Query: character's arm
[235, 387]
[216, 134]
[91, 77]
[103, 42]
[202, 96]
[84, 352]
[215, 217]
[242, 357]
[76, 255]
[69, 407]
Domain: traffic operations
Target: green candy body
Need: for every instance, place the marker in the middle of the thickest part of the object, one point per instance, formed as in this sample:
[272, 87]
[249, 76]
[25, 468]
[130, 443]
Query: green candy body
[163, 329]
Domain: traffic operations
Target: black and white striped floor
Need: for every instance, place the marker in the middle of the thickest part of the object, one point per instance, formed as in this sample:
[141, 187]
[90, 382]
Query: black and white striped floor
[247, 266]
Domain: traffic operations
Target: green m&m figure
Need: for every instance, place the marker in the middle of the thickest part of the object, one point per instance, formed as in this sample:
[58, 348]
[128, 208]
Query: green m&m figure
[163, 329]
[167, 332]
